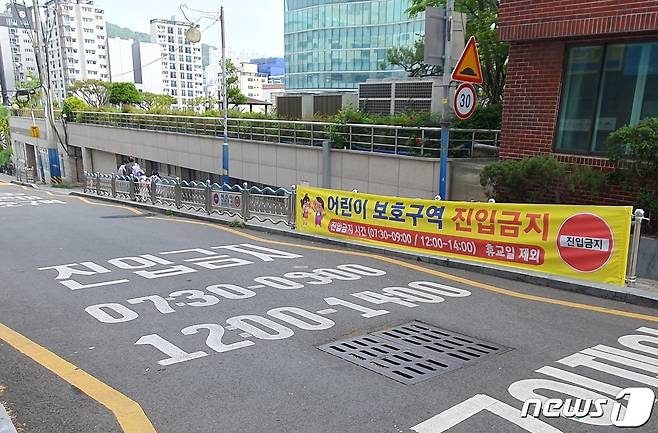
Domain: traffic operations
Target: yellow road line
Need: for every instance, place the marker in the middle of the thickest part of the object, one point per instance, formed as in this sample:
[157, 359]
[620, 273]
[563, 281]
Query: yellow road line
[484, 286]
[131, 209]
[128, 413]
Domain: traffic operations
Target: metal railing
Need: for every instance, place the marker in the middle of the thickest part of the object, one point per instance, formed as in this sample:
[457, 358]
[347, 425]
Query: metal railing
[37, 112]
[397, 140]
[25, 174]
[267, 204]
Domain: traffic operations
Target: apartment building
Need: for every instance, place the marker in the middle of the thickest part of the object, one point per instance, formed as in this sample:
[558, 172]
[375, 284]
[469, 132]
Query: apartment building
[17, 57]
[77, 44]
[249, 80]
[182, 67]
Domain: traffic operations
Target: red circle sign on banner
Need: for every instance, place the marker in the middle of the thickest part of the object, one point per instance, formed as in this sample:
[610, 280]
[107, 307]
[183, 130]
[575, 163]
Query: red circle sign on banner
[585, 242]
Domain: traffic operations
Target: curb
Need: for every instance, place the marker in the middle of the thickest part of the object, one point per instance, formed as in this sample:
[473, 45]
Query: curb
[641, 297]
[6, 426]
[18, 182]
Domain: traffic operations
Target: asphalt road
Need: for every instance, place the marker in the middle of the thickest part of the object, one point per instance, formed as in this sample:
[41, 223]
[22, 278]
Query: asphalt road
[213, 330]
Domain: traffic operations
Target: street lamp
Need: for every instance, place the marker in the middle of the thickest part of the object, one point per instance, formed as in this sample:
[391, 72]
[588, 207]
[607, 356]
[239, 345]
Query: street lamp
[193, 35]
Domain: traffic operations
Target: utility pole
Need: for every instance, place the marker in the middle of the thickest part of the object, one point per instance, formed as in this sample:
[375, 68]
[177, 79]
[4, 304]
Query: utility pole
[445, 114]
[225, 155]
[42, 66]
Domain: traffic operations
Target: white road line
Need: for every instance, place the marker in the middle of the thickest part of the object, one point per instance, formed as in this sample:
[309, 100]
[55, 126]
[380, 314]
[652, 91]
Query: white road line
[327, 311]
[6, 426]
[257, 286]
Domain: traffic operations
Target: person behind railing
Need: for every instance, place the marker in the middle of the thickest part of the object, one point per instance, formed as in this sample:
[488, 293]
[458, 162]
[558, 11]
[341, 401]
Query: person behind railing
[122, 170]
[137, 172]
[129, 166]
[155, 177]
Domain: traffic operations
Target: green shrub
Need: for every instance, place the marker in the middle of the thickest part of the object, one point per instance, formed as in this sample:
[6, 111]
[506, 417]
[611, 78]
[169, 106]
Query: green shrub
[532, 179]
[72, 104]
[485, 117]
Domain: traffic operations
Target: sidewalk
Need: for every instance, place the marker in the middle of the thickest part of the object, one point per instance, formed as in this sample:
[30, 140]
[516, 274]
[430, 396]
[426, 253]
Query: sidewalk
[45, 187]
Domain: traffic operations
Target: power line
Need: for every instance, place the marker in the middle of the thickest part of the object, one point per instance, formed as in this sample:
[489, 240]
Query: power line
[142, 66]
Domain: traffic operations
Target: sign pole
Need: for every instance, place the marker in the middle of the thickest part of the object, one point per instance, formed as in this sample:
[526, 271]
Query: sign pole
[445, 117]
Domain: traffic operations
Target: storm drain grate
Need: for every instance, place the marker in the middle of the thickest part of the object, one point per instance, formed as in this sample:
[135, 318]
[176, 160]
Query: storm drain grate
[412, 352]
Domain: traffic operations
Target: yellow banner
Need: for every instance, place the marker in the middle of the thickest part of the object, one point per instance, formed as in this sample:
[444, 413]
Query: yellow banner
[586, 242]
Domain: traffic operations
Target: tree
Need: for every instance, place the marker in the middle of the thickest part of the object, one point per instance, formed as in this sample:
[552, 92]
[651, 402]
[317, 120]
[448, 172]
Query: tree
[73, 104]
[5, 154]
[235, 96]
[411, 59]
[96, 93]
[482, 21]
[124, 94]
[153, 100]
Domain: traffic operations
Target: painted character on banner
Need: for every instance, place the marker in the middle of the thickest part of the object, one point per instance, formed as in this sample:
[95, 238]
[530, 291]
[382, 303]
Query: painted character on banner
[318, 206]
[306, 209]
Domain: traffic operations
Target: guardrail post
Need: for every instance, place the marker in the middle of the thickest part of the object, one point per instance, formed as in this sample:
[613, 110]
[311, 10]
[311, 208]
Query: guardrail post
[422, 142]
[245, 202]
[350, 140]
[631, 276]
[292, 209]
[208, 197]
[131, 188]
[113, 186]
[153, 190]
[472, 143]
[178, 193]
[372, 138]
[396, 141]
[98, 184]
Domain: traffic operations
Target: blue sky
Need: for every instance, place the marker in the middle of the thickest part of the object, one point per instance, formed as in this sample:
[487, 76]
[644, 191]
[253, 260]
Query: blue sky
[251, 25]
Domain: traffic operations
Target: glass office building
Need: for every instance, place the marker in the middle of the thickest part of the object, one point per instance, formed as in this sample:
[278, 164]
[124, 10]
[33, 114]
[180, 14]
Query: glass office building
[332, 44]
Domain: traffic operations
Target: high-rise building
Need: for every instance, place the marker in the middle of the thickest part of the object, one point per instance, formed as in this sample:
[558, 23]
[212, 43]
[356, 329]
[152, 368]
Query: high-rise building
[182, 67]
[76, 44]
[16, 47]
[136, 62]
[334, 44]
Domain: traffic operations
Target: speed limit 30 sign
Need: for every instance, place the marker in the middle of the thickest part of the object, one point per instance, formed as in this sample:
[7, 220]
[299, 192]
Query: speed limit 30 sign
[465, 101]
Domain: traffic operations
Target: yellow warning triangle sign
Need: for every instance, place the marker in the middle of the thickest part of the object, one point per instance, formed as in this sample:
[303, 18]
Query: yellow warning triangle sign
[468, 67]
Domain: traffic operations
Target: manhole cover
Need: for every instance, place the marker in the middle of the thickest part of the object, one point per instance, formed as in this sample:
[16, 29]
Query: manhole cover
[413, 352]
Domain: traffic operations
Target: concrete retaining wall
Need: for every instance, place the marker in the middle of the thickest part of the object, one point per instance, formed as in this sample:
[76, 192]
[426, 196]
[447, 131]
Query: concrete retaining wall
[276, 164]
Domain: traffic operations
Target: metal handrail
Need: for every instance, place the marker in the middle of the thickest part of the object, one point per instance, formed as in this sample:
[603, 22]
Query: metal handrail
[393, 139]
[263, 204]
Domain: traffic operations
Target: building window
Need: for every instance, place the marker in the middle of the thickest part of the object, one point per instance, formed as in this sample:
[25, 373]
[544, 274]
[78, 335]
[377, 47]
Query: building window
[605, 87]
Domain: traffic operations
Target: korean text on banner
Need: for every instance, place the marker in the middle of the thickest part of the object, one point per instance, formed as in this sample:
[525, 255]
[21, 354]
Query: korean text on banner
[585, 242]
